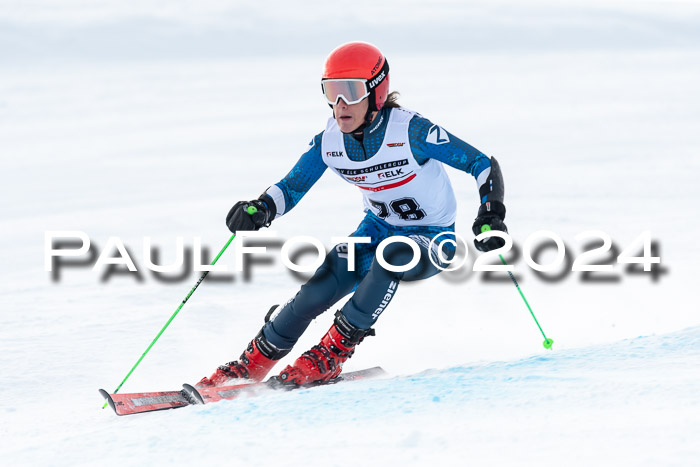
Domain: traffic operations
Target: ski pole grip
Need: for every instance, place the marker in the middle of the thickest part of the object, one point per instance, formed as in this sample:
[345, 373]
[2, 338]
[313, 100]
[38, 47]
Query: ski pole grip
[485, 228]
[251, 210]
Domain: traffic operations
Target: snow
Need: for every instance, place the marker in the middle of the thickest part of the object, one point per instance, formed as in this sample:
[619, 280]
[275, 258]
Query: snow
[148, 121]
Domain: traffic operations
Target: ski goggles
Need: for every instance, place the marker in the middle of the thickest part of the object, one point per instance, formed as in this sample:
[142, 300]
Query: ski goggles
[352, 91]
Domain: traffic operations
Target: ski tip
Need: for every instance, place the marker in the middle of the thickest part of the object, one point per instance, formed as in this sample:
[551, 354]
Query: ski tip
[110, 401]
[192, 393]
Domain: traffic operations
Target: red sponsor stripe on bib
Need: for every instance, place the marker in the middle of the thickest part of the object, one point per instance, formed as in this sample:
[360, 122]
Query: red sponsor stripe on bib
[390, 185]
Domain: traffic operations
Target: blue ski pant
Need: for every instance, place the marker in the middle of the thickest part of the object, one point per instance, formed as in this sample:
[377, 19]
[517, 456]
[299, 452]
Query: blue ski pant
[373, 285]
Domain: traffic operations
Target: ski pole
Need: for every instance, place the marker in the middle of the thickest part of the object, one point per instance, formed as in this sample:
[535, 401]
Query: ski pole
[251, 210]
[547, 342]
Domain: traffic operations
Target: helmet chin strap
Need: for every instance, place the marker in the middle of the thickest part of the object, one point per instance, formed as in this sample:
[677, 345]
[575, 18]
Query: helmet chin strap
[369, 117]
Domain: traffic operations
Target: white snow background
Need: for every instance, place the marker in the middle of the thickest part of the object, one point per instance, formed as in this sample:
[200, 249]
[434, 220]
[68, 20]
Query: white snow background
[152, 118]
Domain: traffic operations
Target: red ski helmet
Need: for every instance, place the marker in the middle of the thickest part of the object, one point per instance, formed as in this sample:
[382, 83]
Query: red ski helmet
[360, 61]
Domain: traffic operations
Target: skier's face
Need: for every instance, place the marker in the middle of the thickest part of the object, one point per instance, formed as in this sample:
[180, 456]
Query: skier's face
[350, 117]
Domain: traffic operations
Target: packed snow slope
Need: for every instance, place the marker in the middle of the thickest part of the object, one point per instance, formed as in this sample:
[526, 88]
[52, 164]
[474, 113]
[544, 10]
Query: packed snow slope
[151, 120]
[595, 405]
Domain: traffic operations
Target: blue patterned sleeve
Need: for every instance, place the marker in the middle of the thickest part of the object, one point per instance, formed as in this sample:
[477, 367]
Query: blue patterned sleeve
[429, 141]
[308, 169]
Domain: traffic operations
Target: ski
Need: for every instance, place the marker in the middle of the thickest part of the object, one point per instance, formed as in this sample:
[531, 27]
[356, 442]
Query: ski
[138, 402]
[142, 402]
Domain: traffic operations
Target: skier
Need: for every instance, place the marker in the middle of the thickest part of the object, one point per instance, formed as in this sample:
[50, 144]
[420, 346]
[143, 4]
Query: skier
[396, 158]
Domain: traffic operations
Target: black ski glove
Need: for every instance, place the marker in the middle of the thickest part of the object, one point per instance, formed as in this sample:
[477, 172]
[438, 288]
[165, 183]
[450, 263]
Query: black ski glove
[491, 213]
[240, 218]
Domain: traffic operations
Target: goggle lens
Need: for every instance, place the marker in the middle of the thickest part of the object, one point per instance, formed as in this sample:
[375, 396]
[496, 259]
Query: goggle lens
[352, 91]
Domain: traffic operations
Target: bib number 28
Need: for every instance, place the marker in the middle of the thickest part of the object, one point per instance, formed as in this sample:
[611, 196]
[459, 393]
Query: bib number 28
[406, 208]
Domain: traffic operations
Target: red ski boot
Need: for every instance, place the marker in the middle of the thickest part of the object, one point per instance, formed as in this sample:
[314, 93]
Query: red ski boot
[325, 360]
[255, 363]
